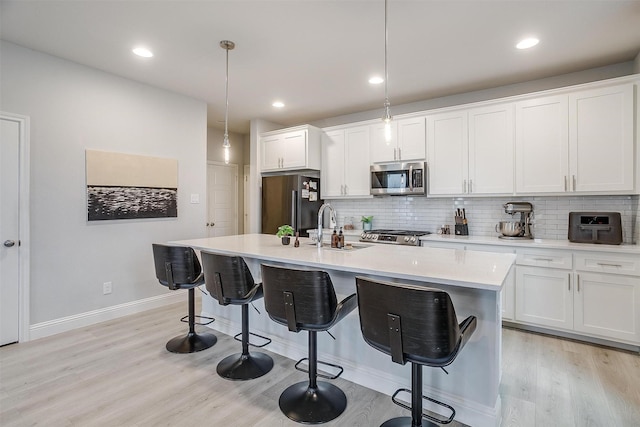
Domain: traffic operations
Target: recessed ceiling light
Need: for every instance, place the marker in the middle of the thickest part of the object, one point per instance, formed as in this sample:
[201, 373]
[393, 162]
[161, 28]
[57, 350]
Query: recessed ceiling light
[278, 104]
[527, 43]
[376, 80]
[143, 51]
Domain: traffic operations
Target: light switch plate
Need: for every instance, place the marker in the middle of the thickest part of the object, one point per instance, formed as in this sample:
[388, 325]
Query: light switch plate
[195, 198]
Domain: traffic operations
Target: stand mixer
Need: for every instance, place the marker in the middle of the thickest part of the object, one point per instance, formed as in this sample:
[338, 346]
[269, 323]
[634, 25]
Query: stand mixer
[517, 230]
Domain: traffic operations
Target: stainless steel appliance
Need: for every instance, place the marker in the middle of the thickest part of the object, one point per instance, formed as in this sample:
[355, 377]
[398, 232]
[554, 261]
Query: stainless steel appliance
[595, 227]
[399, 179]
[290, 199]
[516, 229]
[393, 237]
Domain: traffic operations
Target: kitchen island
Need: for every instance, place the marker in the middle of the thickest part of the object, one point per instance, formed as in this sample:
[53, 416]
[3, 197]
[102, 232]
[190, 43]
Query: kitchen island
[473, 279]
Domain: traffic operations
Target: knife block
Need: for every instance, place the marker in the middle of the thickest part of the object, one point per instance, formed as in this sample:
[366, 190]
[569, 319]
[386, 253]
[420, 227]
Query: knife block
[462, 230]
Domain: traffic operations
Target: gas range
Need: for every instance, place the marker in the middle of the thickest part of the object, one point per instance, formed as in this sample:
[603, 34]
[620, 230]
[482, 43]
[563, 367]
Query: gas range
[394, 237]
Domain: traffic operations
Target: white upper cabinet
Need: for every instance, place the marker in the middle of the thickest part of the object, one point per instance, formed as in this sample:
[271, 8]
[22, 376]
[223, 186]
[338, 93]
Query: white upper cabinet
[447, 148]
[542, 145]
[601, 139]
[407, 141]
[290, 149]
[580, 142]
[491, 140]
[471, 151]
[345, 163]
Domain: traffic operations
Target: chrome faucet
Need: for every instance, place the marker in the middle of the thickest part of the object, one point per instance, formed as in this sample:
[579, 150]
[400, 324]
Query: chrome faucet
[332, 212]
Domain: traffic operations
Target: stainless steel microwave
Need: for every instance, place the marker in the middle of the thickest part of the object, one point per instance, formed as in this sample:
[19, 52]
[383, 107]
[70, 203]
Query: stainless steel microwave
[399, 179]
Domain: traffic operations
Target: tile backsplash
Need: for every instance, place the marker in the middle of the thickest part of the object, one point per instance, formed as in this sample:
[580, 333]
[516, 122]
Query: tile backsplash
[550, 218]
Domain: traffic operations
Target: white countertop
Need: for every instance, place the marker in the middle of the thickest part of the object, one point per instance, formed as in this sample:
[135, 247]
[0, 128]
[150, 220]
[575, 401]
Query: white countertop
[533, 243]
[479, 270]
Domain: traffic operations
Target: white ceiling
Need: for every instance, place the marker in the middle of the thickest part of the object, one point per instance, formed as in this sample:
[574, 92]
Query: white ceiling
[316, 55]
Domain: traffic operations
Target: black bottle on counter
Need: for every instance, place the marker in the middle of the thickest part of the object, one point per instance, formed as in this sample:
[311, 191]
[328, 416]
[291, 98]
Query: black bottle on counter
[334, 239]
[340, 239]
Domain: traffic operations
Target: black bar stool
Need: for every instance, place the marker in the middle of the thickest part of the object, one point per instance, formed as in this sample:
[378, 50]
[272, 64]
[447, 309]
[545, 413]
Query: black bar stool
[177, 267]
[413, 324]
[305, 300]
[229, 280]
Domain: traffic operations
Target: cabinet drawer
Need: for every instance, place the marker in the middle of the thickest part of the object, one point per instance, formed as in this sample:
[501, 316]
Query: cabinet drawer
[609, 263]
[544, 258]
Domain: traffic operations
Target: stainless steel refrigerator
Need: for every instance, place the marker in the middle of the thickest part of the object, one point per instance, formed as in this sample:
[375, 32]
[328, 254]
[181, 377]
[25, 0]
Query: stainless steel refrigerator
[290, 199]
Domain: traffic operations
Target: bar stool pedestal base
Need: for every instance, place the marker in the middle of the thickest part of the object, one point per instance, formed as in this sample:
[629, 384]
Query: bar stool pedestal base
[244, 366]
[191, 342]
[308, 405]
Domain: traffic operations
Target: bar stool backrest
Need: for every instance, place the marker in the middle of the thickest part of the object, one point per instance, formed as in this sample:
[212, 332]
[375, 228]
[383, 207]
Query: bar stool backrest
[227, 278]
[428, 327]
[312, 294]
[176, 265]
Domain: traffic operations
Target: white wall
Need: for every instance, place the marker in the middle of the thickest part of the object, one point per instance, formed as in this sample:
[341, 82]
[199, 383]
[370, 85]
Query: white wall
[73, 108]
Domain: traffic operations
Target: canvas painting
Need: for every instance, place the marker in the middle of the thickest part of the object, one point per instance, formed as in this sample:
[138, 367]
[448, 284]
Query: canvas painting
[126, 186]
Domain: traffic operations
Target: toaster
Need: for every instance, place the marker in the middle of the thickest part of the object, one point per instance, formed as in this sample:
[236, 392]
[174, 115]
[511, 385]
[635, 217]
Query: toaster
[595, 227]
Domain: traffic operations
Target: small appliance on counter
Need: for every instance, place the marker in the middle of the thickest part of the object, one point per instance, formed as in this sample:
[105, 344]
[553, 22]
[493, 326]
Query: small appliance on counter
[516, 229]
[595, 227]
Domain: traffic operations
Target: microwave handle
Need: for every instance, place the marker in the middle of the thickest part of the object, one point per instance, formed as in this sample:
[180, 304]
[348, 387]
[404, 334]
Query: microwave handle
[410, 177]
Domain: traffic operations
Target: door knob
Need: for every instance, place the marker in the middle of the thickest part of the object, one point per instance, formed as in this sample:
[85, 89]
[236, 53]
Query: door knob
[9, 243]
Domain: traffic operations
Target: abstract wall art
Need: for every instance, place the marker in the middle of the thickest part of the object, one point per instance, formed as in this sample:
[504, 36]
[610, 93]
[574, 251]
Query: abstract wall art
[127, 186]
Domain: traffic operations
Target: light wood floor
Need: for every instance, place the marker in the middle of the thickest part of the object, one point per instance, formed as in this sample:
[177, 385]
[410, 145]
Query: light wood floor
[118, 373]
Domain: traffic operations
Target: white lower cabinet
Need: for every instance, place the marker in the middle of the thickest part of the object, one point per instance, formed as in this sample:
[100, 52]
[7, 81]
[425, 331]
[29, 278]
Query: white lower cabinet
[607, 305]
[572, 297]
[544, 297]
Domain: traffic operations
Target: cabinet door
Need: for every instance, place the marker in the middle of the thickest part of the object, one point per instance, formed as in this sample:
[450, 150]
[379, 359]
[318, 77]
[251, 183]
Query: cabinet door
[608, 305]
[447, 143]
[491, 141]
[294, 149]
[412, 139]
[544, 297]
[333, 164]
[601, 139]
[542, 145]
[356, 166]
[381, 149]
[272, 150]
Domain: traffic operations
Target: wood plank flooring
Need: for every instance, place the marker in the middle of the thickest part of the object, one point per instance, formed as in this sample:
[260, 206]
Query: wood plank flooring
[118, 373]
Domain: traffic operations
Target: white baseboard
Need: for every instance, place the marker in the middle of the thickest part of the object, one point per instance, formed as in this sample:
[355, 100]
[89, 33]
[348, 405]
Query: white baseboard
[64, 324]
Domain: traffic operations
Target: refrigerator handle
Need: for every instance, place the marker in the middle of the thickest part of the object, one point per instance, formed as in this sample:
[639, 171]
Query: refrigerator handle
[294, 210]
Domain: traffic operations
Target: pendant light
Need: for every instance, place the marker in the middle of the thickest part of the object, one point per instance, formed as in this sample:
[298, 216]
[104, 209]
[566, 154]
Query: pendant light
[386, 118]
[226, 45]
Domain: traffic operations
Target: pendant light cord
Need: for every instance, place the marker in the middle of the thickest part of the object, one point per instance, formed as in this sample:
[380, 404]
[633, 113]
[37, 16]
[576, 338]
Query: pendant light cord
[386, 72]
[226, 91]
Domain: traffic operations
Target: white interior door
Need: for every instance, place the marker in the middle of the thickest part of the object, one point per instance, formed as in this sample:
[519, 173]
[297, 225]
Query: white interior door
[222, 199]
[9, 231]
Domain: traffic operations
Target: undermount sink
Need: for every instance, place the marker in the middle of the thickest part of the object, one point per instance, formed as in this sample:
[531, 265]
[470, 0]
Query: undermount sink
[349, 247]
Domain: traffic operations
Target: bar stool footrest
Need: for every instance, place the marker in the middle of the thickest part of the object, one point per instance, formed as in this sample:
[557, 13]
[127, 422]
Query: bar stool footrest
[320, 374]
[185, 319]
[268, 340]
[424, 415]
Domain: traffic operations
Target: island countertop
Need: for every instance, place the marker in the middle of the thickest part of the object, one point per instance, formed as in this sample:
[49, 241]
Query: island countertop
[478, 270]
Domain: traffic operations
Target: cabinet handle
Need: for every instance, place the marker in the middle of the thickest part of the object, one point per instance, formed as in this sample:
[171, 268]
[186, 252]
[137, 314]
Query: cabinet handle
[470, 186]
[569, 276]
[574, 185]
[399, 153]
[578, 280]
[394, 154]
[604, 264]
[464, 186]
[346, 191]
[565, 183]
[543, 259]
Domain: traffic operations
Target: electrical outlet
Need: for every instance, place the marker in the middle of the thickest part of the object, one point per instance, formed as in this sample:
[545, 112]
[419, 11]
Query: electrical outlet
[107, 287]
